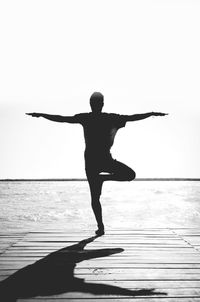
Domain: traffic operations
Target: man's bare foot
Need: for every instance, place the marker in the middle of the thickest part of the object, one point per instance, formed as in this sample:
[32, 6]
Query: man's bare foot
[100, 232]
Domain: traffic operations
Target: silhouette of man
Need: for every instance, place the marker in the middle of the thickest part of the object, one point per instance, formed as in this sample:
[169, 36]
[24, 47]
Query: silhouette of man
[100, 129]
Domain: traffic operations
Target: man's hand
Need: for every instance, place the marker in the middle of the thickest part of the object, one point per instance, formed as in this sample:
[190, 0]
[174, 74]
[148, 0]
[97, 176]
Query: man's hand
[158, 114]
[56, 118]
[34, 114]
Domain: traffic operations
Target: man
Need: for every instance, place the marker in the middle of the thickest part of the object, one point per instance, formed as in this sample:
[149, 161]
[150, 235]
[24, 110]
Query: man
[99, 130]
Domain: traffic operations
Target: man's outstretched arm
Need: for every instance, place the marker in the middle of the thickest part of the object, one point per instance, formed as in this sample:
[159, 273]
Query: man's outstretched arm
[55, 118]
[137, 117]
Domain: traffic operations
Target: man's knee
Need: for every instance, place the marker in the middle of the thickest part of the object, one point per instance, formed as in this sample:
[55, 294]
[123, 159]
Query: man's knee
[131, 175]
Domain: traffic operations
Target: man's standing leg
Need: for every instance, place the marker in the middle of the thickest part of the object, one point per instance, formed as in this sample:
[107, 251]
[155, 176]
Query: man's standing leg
[117, 172]
[95, 185]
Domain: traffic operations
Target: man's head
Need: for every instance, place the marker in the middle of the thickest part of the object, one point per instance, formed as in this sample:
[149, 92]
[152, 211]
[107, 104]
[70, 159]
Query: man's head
[96, 102]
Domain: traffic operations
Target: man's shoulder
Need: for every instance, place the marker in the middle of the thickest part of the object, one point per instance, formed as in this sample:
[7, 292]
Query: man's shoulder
[110, 114]
[116, 119]
[81, 117]
[114, 115]
[82, 114]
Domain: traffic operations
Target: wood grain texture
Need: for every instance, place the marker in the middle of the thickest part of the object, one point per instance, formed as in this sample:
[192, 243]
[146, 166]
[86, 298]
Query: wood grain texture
[155, 264]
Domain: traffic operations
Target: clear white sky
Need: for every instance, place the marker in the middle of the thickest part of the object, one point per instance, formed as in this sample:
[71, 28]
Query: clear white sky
[142, 55]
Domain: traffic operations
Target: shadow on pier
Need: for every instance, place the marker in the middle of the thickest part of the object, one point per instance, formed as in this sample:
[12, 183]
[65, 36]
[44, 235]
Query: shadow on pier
[54, 275]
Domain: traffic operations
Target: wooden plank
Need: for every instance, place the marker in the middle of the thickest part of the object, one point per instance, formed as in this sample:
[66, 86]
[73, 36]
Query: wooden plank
[141, 277]
[65, 244]
[136, 277]
[127, 246]
[12, 254]
[105, 237]
[153, 272]
[107, 234]
[162, 293]
[107, 259]
[124, 254]
[108, 264]
[130, 271]
[115, 260]
[161, 240]
[87, 264]
[133, 271]
[149, 284]
[122, 260]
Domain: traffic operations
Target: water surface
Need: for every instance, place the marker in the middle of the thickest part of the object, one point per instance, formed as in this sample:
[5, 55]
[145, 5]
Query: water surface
[40, 205]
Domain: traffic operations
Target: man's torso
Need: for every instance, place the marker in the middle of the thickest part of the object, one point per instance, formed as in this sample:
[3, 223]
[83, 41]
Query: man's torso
[100, 130]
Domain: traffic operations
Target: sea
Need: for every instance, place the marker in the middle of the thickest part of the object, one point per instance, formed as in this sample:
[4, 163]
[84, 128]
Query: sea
[61, 205]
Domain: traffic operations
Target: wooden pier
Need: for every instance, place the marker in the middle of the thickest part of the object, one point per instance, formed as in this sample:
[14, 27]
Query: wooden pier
[123, 265]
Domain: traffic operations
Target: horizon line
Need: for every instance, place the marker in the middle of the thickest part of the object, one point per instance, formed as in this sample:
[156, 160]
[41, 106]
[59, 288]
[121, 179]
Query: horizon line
[85, 179]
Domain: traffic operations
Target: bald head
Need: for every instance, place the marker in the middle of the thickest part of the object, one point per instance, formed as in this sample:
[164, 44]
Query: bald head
[96, 102]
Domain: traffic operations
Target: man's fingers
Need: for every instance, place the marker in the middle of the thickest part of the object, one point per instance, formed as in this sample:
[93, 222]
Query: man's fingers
[33, 114]
[161, 113]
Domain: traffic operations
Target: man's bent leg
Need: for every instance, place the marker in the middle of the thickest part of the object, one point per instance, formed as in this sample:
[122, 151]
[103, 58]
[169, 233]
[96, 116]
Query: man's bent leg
[118, 172]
